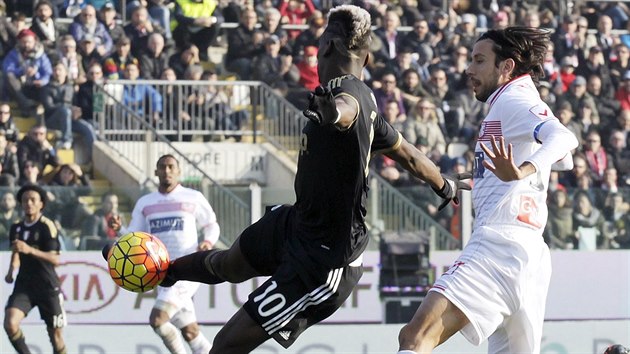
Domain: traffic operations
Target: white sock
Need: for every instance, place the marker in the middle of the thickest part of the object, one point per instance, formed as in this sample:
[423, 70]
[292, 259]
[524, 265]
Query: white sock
[200, 344]
[406, 352]
[170, 336]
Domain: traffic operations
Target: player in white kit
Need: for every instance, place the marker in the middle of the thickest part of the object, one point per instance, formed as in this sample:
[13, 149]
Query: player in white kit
[497, 288]
[172, 214]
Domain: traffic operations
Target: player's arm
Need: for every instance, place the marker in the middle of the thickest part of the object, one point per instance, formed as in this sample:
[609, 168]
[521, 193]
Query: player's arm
[420, 166]
[51, 257]
[211, 229]
[324, 108]
[556, 140]
[13, 265]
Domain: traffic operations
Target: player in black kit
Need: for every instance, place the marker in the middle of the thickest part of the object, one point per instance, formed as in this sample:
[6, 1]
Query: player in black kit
[312, 249]
[36, 246]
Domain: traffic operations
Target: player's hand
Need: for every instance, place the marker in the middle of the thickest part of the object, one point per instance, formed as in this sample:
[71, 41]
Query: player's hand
[20, 246]
[452, 184]
[502, 165]
[115, 223]
[9, 277]
[322, 108]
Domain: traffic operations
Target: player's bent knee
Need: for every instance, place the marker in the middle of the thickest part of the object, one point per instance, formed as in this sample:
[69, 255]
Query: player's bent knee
[190, 332]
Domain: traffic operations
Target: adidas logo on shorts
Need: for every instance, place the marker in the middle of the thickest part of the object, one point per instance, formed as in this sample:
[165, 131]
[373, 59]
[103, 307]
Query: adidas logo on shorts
[285, 334]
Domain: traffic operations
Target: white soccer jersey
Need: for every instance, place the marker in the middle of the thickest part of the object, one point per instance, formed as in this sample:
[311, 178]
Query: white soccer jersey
[522, 202]
[173, 217]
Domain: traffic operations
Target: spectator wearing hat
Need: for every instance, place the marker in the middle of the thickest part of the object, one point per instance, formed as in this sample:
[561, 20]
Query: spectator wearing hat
[310, 36]
[114, 65]
[155, 59]
[465, 33]
[107, 15]
[86, 24]
[88, 52]
[443, 35]
[27, 69]
[244, 43]
[577, 95]
[198, 22]
[309, 77]
[595, 64]
[272, 68]
[45, 27]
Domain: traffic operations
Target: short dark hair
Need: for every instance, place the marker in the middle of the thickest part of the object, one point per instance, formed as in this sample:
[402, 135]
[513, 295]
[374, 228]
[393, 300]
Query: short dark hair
[165, 156]
[527, 46]
[35, 188]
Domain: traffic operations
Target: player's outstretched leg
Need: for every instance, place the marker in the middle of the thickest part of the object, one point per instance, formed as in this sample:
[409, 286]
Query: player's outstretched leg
[195, 267]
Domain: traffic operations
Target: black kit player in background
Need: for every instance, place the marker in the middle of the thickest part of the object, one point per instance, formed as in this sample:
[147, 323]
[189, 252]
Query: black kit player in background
[312, 250]
[35, 244]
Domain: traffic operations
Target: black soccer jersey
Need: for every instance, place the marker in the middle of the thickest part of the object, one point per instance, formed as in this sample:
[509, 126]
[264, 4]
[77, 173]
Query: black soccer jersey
[332, 180]
[33, 271]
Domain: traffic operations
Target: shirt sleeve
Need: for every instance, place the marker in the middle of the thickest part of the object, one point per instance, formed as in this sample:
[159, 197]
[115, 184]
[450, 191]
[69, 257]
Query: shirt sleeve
[386, 138]
[207, 219]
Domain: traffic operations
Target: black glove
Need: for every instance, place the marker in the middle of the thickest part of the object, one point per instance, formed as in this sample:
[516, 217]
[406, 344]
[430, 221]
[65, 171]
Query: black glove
[322, 108]
[451, 185]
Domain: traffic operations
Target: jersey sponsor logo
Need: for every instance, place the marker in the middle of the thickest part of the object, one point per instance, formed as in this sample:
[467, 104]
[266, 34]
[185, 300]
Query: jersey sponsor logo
[285, 334]
[166, 224]
[490, 128]
[478, 168]
[528, 211]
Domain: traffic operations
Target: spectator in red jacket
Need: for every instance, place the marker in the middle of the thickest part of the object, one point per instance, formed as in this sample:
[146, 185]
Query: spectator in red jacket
[309, 77]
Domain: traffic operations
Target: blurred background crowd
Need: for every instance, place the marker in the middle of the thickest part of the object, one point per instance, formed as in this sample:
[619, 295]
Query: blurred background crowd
[53, 52]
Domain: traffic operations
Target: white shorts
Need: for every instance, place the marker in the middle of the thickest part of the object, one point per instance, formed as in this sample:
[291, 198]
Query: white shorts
[177, 302]
[500, 283]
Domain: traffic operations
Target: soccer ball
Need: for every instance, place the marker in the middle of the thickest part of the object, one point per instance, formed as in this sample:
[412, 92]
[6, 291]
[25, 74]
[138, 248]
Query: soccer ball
[138, 261]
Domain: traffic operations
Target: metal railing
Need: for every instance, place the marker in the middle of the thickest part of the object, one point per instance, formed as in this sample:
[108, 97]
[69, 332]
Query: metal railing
[141, 139]
[390, 209]
[264, 116]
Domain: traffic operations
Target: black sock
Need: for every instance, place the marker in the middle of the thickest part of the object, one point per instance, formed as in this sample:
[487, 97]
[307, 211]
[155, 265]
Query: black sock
[19, 343]
[193, 267]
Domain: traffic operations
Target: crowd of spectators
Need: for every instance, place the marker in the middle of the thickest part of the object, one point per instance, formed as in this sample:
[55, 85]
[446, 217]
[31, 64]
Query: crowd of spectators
[421, 49]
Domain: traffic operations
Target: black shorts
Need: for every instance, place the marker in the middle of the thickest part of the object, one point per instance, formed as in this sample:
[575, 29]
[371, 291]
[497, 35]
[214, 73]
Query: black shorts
[49, 303]
[286, 305]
